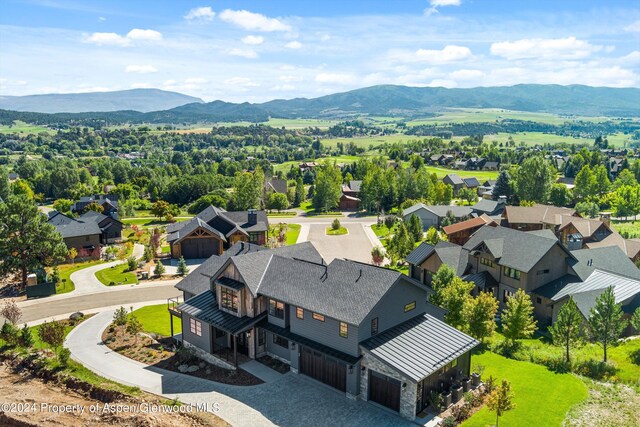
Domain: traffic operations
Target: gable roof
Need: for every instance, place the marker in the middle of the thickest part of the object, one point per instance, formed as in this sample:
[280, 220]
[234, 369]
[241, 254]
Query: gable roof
[355, 185]
[489, 207]
[420, 253]
[191, 226]
[471, 182]
[277, 185]
[537, 214]
[449, 253]
[344, 290]
[73, 227]
[631, 247]
[515, 249]
[453, 178]
[468, 224]
[585, 226]
[609, 258]
[420, 346]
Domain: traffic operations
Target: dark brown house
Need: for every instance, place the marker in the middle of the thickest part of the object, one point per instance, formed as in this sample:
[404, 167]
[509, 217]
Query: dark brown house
[214, 230]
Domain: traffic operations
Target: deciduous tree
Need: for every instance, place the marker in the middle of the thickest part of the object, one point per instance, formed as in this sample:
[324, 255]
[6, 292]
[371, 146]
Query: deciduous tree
[501, 400]
[480, 313]
[517, 317]
[455, 296]
[328, 187]
[605, 320]
[534, 179]
[567, 329]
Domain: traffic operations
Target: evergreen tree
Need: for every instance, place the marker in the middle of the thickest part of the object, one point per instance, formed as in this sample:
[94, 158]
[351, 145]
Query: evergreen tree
[298, 197]
[605, 320]
[567, 329]
[401, 243]
[517, 317]
[502, 186]
[415, 228]
[182, 267]
[159, 269]
[635, 320]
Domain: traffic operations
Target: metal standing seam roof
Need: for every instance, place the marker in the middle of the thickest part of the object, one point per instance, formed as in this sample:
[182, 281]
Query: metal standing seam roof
[482, 279]
[420, 346]
[204, 307]
[419, 254]
[623, 287]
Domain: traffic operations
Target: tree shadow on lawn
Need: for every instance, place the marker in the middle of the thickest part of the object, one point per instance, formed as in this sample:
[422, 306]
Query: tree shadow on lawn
[635, 357]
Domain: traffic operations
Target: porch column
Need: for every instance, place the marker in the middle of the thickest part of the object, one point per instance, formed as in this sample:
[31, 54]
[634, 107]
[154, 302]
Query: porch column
[235, 351]
[171, 322]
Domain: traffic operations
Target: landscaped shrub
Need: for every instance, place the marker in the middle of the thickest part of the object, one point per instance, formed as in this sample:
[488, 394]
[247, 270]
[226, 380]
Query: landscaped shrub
[335, 224]
[132, 263]
[461, 412]
[473, 399]
[9, 333]
[185, 354]
[596, 369]
[26, 337]
[63, 356]
[449, 422]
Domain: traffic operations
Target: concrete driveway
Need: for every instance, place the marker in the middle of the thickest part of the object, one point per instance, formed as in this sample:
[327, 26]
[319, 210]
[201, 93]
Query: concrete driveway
[356, 245]
[289, 400]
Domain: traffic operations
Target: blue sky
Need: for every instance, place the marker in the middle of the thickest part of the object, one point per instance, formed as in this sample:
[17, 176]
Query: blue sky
[260, 50]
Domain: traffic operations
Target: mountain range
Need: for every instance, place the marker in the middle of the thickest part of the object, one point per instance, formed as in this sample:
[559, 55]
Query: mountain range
[143, 100]
[157, 106]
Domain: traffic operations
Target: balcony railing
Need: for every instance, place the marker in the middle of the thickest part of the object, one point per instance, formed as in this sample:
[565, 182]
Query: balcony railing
[172, 305]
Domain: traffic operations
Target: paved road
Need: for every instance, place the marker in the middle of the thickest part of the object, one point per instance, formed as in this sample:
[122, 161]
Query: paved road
[85, 280]
[356, 245]
[52, 307]
[290, 400]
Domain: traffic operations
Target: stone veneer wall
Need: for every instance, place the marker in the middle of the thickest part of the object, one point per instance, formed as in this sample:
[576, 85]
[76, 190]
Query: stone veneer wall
[407, 396]
[208, 357]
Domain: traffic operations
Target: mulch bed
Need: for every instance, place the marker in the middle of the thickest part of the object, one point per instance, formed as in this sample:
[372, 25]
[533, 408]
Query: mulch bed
[161, 353]
[274, 364]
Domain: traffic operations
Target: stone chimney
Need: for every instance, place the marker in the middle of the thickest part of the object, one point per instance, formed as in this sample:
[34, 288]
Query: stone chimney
[252, 215]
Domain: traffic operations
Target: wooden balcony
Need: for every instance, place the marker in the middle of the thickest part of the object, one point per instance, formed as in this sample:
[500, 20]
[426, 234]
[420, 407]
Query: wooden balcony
[172, 306]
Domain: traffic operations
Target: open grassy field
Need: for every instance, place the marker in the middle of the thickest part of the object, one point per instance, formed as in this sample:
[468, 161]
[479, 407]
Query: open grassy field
[533, 138]
[150, 222]
[481, 175]
[22, 127]
[155, 319]
[539, 393]
[284, 167]
[367, 141]
[477, 115]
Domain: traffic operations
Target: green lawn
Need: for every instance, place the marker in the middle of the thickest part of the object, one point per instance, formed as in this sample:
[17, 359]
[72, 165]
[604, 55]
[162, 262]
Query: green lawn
[116, 274]
[632, 228]
[151, 222]
[481, 175]
[339, 232]
[66, 285]
[380, 230]
[22, 127]
[541, 396]
[293, 231]
[155, 319]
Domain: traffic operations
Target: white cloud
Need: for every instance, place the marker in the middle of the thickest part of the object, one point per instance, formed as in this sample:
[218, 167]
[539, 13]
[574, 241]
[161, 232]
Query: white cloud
[331, 78]
[633, 27]
[253, 40]
[465, 74]
[102, 19]
[435, 4]
[442, 83]
[196, 80]
[204, 13]
[144, 35]
[293, 45]
[245, 53]
[253, 21]
[141, 85]
[567, 48]
[283, 88]
[169, 82]
[325, 37]
[288, 79]
[632, 58]
[107, 39]
[450, 53]
[141, 69]
[114, 39]
[241, 82]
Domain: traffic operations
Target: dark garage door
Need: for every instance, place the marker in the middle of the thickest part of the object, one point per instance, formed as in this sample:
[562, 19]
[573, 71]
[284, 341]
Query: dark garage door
[323, 368]
[199, 248]
[384, 390]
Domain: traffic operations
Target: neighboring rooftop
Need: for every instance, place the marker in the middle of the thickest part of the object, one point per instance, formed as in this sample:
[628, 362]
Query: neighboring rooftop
[537, 214]
[610, 258]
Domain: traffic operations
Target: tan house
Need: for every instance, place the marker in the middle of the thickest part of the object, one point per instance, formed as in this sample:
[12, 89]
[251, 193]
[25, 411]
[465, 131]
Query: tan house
[537, 217]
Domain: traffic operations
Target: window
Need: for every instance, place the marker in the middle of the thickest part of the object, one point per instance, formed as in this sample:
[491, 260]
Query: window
[541, 272]
[195, 327]
[539, 300]
[374, 326]
[344, 330]
[506, 295]
[276, 309]
[300, 313]
[228, 298]
[319, 317]
[254, 237]
[487, 262]
[511, 272]
[410, 306]
[282, 342]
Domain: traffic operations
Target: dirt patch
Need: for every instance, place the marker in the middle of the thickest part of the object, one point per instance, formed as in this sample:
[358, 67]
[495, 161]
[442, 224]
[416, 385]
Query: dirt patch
[608, 405]
[162, 353]
[33, 403]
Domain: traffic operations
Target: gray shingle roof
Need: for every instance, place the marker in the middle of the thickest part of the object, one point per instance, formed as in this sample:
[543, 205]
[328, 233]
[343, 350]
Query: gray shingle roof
[609, 258]
[344, 290]
[355, 185]
[453, 178]
[516, 249]
[277, 185]
[74, 227]
[222, 221]
[489, 207]
[204, 307]
[420, 346]
[471, 182]
[192, 225]
[453, 255]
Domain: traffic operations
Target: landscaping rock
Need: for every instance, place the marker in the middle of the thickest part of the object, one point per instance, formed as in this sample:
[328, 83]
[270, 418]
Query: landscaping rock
[183, 368]
[76, 316]
[202, 365]
[192, 368]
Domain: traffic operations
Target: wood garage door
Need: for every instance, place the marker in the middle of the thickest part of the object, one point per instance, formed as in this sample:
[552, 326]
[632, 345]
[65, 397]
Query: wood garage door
[199, 248]
[323, 368]
[384, 390]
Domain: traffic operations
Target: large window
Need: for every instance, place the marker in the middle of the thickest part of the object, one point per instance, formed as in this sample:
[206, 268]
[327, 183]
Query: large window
[195, 327]
[374, 326]
[228, 298]
[276, 309]
[487, 262]
[344, 330]
[506, 295]
[319, 317]
[410, 306]
[511, 272]
[254, 237]
[300, 313]
[282, 342]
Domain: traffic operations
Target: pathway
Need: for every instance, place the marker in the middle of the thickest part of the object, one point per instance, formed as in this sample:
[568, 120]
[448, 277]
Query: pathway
[285, 400]
[85, 280]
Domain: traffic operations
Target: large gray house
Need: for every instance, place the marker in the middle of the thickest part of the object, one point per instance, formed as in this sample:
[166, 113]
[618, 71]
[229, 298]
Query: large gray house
[365, 331]
[432, 215]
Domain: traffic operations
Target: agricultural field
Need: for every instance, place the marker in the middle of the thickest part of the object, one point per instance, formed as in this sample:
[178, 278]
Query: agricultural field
[22, 127]
[478, 115]
[534, 138]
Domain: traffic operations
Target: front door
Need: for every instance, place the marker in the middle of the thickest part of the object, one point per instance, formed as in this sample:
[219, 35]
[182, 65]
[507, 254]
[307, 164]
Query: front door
[243, 343]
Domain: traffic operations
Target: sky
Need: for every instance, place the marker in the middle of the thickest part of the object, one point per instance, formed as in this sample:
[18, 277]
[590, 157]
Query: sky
[256, 51]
